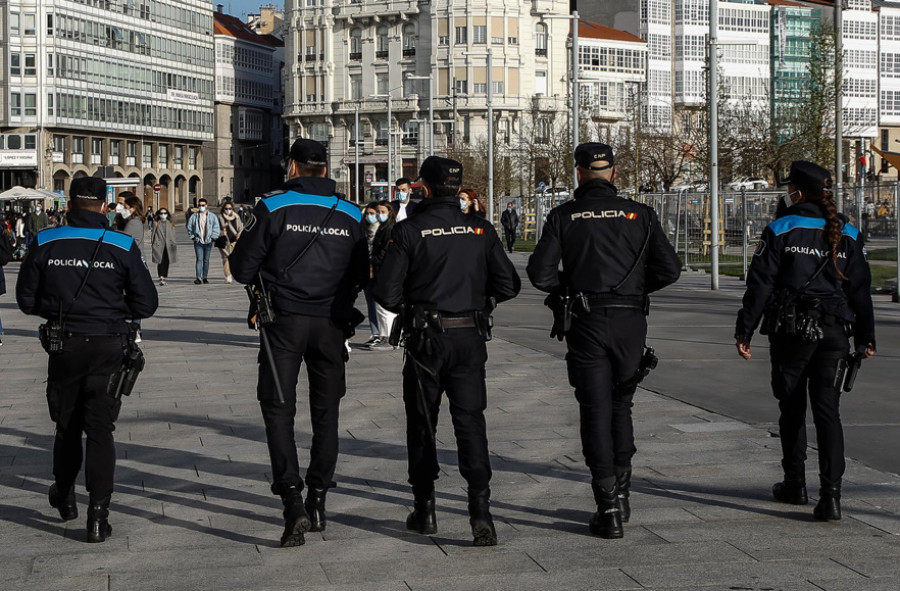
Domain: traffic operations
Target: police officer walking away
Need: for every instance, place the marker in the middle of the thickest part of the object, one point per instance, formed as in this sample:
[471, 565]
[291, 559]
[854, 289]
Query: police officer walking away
[614, 253]
[810, 283]
[443, 269]
[85, 280]
[305, 249]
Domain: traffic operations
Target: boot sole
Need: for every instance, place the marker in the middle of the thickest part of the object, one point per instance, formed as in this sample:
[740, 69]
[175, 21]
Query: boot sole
[425, 531]
[91, 539]
[484, 535]
[608, 535]
[293, 535]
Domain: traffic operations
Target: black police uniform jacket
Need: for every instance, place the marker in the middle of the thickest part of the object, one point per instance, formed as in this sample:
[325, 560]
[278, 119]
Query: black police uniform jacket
[788, 254]
[444, 260]
[119, 287]
[325, 281]
[598, 237]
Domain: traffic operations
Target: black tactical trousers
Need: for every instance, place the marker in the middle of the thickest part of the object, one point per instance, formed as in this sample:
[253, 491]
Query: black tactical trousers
[457, 368]
[605, 348]
[296, 338]
[799, 367]
[510, 236]
[79, 402]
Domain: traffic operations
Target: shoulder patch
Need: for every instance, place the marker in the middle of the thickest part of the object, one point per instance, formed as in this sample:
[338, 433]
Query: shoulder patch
[760, 248]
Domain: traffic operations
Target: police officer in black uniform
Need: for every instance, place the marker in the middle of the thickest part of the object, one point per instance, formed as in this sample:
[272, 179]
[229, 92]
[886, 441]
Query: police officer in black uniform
[613, 253]
[810, 282]
[85, 281]
[306, 248]
[441, 270]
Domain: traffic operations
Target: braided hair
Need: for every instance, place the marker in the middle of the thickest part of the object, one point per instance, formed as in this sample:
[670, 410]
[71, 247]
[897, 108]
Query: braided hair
[834, 225]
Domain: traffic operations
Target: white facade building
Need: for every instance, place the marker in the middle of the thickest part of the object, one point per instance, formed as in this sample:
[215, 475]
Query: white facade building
[340, 54]
[91, 83]
[861, 57]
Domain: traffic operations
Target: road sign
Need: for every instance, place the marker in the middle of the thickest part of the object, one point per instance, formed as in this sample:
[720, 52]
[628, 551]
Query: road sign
[157, 187]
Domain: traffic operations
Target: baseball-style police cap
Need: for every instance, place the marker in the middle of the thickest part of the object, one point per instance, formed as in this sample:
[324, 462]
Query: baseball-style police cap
[587, 154]
[88, 188]
[306, 151]
[438, 171]
[806, 175]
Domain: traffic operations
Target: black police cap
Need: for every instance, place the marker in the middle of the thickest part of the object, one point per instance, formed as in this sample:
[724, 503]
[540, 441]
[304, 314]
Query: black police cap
[588, 153]
[437, 171]
[806, 175]
[311, 152]
[88, 187]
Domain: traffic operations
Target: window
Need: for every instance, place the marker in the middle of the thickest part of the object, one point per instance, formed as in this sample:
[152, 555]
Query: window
[59, 143]
[497, 87]
[30, 141]
[479, 34]
[14, 23]
[77, 150]
[409, 40]
[461, 86]
[383, 42]
[15, 64]
[381, 83]
[540, 40]
[540, 82]
[49, 25]
[461, 37]
[50, 104]
[14, 142]
[356, 44]
[30, 104]
[444, 40]
[28, 23]
[30, 67]
[115, 148]
[411, 133]
[179, 157]
[356, 86]
[479, 88]
[15, 105]
[192, 157]
[96, 151]
[496, 40]
[131, 153]
[50, 64]
[163, 156]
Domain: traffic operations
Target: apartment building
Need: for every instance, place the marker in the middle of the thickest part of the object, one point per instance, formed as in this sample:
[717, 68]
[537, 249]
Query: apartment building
[347, 58]
[121, 86]
[244, 159]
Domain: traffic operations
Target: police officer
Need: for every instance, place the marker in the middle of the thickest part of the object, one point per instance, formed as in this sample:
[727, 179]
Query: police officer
[305, 246]
[613, 253]
[85, 281]
[441, 268]
[810, 281]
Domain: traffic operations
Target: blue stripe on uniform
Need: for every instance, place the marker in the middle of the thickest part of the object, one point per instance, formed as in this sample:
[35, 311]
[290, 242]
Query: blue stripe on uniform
[123, 241]
[293, 198]
[791, 222]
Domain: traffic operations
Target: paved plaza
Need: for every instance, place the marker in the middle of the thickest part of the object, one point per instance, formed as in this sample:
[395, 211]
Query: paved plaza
[193, 509]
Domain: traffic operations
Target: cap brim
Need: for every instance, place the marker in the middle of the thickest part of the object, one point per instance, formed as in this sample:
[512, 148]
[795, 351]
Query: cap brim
[785, 181]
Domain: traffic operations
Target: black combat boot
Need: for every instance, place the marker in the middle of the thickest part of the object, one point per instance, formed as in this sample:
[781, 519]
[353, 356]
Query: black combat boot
[480, 518]
[315, 506]
[829, 506]
[607, 521]
[623, 480]
[64, 503]
[98, 528]
[423, 519]
[296, 520]
[790, 491]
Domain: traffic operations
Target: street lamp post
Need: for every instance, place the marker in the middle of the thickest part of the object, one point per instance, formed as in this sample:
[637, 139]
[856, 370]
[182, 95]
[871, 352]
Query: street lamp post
[390, 159]
[713, 144]
[430, 79]
[576, 104]
[356, 150]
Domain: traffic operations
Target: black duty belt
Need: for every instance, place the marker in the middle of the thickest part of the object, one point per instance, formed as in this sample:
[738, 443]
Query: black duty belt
[613, 300]
[458, 321]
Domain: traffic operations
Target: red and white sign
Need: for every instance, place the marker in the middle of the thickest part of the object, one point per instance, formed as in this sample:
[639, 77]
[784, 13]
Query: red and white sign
[157, 187]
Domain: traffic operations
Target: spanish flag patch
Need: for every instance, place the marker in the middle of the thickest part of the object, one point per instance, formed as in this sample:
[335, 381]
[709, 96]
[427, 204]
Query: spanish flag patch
[631, 216]
[479, 231]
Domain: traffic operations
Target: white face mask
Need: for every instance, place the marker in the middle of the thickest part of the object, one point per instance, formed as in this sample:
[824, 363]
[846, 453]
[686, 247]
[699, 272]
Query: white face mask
[163, 216]
[403, 197]
[382, 217]
[126, 213]
[463, 204]
[788, 200]
[202, 208]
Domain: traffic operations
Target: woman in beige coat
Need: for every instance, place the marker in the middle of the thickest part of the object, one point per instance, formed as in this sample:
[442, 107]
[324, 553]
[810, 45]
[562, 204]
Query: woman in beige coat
[163, 250]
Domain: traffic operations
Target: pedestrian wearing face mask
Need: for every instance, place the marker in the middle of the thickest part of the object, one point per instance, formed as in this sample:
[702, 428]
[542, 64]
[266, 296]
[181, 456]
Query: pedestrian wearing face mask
[510, 222]
[403, 206]
[131, 220]
[232, 226]
[35, 221]
[370, 221]
[163, 250]
[386, 222]
[470, 203]
[203, 228]
[113, 215]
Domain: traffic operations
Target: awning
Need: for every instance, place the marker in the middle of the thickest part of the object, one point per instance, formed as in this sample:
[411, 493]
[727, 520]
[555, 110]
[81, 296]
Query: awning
[892, 157]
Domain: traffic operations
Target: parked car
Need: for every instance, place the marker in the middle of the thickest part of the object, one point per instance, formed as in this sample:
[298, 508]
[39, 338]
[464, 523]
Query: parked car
[748, 185]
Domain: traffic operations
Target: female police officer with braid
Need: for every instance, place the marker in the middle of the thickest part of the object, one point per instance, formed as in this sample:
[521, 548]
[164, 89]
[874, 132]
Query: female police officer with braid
[809, 283]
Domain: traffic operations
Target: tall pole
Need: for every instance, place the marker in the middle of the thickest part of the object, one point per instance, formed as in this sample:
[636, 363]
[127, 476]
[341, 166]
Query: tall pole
[431, 114]
[838, 106]
[490, 116]
[576, 103]
[713, 144]
[390, 129]
[356, 150]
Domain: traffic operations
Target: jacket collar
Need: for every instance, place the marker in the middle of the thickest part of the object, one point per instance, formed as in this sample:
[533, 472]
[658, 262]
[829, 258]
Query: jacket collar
[83, 218]
[311, 185]
[596, 188]
[438, 201]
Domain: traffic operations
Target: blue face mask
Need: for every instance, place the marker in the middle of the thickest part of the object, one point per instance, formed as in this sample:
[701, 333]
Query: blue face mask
[382, 217]
[403, 197]
[371, 218]
[463, 204]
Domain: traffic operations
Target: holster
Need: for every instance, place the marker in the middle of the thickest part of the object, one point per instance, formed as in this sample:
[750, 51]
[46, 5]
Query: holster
[421, 327]
[794, 314]
[51, 336]
[561, 305]
[122, 382]
[648, 363]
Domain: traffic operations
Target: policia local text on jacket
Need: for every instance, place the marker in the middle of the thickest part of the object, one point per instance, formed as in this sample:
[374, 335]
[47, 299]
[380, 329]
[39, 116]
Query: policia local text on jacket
[598, 237]
[119, 287]
[792, 251]
[313, 302]
[443, 265]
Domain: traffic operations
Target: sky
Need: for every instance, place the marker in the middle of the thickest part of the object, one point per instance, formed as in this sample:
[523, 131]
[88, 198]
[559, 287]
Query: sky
[239, 7]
